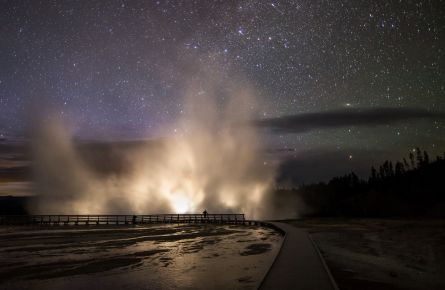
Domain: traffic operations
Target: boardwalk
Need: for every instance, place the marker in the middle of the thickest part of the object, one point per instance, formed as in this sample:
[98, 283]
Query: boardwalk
[298, 265]
[121, 219]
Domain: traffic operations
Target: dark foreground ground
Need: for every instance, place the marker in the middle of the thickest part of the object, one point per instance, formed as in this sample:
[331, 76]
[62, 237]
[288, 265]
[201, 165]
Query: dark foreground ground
[381, 254]
[136, 257]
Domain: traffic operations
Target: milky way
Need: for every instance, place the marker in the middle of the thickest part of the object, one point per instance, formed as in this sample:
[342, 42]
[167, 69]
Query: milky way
[117, 69]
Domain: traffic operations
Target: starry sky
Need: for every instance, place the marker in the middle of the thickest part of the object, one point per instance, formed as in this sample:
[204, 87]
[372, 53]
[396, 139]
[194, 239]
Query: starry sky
[116, 69]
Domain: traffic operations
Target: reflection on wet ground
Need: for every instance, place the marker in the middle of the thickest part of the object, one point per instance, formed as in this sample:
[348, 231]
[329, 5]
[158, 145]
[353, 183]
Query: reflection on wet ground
[136, 257]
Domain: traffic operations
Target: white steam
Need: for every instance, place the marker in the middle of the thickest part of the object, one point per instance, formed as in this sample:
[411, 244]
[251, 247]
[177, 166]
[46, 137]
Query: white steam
[213, 162]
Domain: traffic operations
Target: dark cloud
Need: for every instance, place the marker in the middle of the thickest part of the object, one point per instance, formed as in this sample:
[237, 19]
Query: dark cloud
[345, 117]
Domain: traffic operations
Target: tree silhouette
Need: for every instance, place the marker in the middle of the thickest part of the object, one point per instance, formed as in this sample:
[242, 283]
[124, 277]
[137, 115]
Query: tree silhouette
[400, 190]
[426, 158]
[373, 174]
[411, 158]
[399, 168]
[405, 163]
[419, 157]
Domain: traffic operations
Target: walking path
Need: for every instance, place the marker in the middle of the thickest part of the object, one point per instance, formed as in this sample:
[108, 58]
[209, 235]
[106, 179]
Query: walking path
[298, 265]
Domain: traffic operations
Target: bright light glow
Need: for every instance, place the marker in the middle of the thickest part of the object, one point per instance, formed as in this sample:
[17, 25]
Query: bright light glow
[180, 204]
[214, 165]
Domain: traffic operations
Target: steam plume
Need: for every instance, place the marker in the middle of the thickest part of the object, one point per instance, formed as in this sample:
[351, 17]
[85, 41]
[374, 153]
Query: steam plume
[212, 164]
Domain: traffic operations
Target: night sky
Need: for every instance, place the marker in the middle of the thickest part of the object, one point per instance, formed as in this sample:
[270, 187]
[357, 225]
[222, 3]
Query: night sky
[340, 84]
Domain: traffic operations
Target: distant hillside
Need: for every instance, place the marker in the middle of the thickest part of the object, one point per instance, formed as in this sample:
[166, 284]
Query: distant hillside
[14, 205]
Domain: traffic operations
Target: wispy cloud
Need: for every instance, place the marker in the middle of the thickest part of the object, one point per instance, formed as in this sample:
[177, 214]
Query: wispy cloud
[345, 117]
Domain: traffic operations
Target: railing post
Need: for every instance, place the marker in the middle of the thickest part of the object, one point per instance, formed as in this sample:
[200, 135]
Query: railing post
[118, 219]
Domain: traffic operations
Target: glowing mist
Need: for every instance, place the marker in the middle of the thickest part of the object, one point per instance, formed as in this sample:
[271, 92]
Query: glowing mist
[211, 162]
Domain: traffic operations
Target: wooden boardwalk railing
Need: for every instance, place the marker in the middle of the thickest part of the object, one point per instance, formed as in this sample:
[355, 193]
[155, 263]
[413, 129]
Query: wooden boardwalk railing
[121, 219]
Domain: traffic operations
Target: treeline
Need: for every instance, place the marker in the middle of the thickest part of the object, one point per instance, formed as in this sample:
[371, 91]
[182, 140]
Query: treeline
[410, 187]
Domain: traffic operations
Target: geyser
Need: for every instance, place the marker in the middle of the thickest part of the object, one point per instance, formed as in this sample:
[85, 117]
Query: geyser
[212, 162]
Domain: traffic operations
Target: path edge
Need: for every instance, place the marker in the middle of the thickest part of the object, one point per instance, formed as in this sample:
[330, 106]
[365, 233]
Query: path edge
[323, 261]
[284, 234]
[314, 245]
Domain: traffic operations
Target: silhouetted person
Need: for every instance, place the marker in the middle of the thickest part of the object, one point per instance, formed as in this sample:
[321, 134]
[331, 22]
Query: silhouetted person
[134, 219]
[205, 213]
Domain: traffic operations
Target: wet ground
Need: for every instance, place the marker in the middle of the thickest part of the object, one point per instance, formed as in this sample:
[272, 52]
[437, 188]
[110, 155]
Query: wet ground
[381, 254]
[136, 257]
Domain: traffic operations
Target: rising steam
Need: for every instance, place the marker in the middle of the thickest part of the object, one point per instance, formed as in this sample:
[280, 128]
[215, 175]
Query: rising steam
[212, 162]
